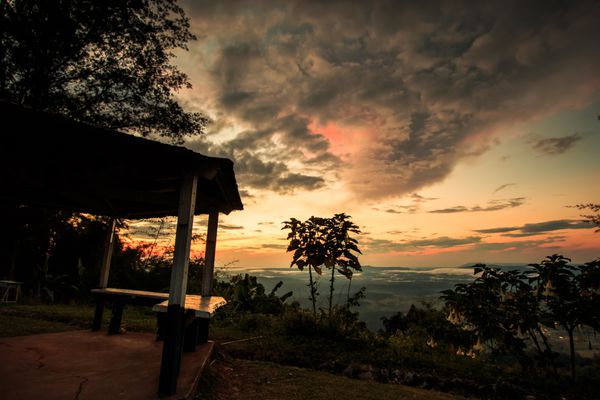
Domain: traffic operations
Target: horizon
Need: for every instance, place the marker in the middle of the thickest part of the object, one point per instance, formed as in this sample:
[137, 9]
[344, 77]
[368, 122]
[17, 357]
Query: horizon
[447, 133]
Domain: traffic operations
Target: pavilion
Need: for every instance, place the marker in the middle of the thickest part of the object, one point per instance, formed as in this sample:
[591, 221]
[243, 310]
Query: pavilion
[55, 162]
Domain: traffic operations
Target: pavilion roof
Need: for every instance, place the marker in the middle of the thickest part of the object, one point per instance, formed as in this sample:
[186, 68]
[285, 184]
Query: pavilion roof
[51, 161]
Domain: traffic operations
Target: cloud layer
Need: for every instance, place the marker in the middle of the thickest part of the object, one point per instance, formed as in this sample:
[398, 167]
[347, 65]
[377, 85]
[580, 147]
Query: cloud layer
[385, 96]
[556, 145]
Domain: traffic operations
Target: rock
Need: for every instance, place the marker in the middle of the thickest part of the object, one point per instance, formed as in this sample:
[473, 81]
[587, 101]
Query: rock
[349, 371]
[409, 378]
[384, 374]
[365, 375]
[365, 372]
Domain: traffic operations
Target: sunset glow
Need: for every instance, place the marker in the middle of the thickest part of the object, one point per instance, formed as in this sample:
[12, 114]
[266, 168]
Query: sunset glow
[447, 143]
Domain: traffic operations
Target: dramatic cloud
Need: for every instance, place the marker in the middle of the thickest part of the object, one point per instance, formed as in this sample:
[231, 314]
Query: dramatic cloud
[274, 246]
[538, 228]
[558, 145]
[417, 198]
[549, 243]
[385, 96]
[443, 242]
[502, 187]
[494, 205]
[400, 209]
[555, 225]
[230, 227]
[498, 230]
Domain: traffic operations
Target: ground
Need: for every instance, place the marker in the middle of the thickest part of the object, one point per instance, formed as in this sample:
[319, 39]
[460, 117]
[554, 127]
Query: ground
[226, 378]
[235, 379]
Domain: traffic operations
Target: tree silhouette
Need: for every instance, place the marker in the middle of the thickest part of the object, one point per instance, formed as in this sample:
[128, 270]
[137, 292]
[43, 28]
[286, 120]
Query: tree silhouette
[591, 218]
[570, 294]
[106, 63]
[319, 242]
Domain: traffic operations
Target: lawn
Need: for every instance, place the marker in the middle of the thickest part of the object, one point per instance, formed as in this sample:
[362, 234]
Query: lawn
[18, 320]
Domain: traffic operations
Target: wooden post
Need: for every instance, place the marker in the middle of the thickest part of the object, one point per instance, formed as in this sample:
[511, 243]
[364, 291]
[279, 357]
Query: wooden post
[172, 347]
[108, 249]
[104, 271]
[209, 259]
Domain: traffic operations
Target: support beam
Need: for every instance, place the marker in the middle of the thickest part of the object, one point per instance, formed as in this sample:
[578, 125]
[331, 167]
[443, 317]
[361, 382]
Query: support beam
[209, 259]
[108, 250]
[104, 271]
[172, 347]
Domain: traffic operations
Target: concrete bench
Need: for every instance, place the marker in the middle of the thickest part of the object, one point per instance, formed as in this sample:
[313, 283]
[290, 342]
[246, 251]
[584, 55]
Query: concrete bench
[198, 310]
[120, 297]
[6, 287]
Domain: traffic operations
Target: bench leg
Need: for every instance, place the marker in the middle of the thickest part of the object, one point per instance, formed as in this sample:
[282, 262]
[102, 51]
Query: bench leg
[171, 354]
[97, 324]
[115, 319]
[161, 326]
[202, 330]
[190, 336]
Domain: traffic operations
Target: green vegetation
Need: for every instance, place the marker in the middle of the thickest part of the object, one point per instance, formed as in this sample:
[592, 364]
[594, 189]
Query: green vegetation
[505, 309]
[17, 325]
[319, 242]
[16, 320]
[418, 348]
[489, 340]
[106, 63]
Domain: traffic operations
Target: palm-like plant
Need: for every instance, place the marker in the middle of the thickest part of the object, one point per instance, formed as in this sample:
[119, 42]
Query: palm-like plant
[323, 241]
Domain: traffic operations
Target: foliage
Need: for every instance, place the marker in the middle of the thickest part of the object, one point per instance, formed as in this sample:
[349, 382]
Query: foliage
[591, 218]
[245, 295]
[106, 63]
[426, 327]
[506, 309]
[569, 293]
[499, 308]
[319, 242]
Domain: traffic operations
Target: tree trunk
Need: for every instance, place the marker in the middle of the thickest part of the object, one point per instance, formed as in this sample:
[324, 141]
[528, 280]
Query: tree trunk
[312, 292]
[572, 349]
[348, 294]
[535, 341]
[331, 291]
[548, 349]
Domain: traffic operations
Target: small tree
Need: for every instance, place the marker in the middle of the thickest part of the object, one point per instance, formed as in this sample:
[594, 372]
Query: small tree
[570, 294]
[323, 241]
[108, 63]
[500, 308]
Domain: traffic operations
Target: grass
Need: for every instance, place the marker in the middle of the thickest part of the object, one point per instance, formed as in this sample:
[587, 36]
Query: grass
[18, 320]
[14, 325]
[243, 379]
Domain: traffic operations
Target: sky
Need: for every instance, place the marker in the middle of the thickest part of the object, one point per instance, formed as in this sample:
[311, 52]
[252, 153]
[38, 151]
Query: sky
[452, 132]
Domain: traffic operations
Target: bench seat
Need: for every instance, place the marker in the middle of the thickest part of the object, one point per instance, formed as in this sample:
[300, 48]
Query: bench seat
[197, 310]
[120, 297]
[141, 297]
[202, 307]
